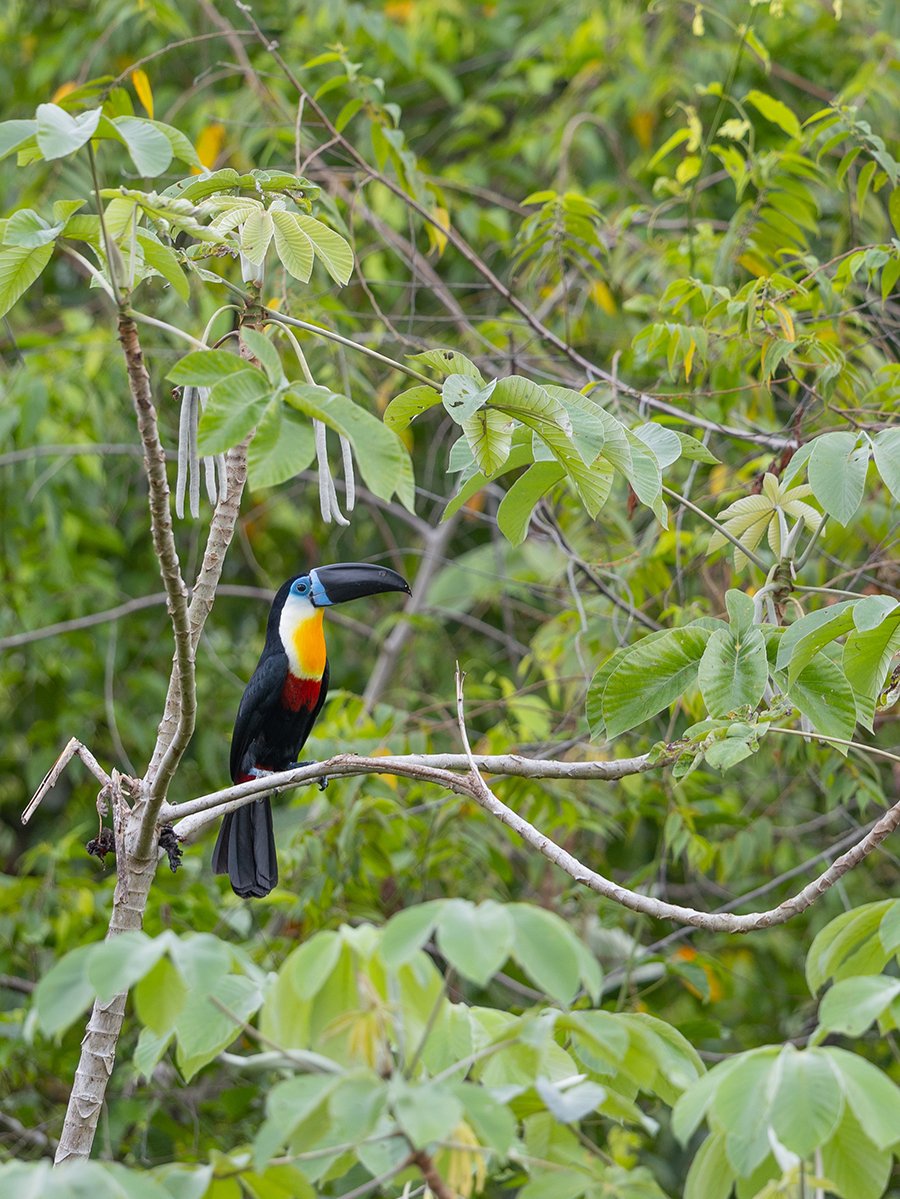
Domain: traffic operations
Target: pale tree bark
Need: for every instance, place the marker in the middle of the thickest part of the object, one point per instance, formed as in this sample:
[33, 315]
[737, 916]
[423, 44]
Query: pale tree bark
[136, 803]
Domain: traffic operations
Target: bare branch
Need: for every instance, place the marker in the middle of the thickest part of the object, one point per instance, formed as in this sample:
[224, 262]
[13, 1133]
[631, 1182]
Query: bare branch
[73, 748]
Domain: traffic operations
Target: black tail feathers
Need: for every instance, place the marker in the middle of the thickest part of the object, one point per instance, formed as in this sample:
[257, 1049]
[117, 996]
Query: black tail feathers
[245, 850]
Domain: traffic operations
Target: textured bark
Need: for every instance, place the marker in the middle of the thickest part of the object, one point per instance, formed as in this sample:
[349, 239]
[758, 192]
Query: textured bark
[98, 1046]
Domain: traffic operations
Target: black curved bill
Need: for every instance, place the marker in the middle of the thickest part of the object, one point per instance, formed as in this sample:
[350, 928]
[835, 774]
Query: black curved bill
[352, 580]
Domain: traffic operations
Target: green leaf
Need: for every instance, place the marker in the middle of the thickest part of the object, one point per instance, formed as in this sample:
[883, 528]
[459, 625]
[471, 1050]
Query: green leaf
[380, 454]
[159, 998]
[59, 134]
[234, 407]
[206, 368]
[19, 267]
[870, 1094]
[594, 700]
[448, 362]
[733, 671]
[292, 245]
[462, 396]
[164, 262]
[283, 445]
[852, 1004]
[871, 610]
[406, 933]
[710, 1175]
[64, 992]
[573, 1103]
[476, 941]
[740, 610]
[853, 1164]
[516, 507]
[651, 676]
[741, 1110]
[775, 111]
[257, 232]
[150, 149]
[837, 474]
[695, 450]
[665, 443]
[426, 1113]
[807, 1105]
[28, 228]
[332, 250]
[117, 964]
[823, 694]
[848, 945]
[261, 348]
[544, 948]
[203, 1029]
[802, 640]
[405, 407]
[309, 967]
[489, 434]
[492, 1122]
[13, 134]
[866, 660]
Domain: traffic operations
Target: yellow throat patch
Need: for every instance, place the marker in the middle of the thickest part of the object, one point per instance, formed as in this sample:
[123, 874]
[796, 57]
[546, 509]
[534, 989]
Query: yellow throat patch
[308, 640]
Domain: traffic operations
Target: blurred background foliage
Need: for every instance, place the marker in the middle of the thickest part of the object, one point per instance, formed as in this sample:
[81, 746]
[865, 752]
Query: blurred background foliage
[579, 148]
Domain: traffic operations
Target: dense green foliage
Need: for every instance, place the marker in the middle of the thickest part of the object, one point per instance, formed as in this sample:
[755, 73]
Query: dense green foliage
[620, 261]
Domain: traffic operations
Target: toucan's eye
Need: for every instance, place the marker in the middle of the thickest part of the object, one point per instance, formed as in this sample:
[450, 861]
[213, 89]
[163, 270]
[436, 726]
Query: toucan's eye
[300, 588]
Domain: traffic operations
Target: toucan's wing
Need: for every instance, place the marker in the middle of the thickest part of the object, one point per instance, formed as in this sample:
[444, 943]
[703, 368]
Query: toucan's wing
[261, 696]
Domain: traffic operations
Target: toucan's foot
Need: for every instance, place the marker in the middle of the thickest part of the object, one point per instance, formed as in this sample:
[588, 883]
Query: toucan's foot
[168, 841]
[260, 772]
[323, 781]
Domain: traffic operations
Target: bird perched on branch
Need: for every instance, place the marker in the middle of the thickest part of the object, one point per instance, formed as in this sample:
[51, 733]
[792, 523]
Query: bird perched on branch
[279, 707]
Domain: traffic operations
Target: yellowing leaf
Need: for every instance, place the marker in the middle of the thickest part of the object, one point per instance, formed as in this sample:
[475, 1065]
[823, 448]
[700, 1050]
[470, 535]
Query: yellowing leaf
[689, 359]
[786, 321]
[718, 479]
[62, 90]
[209, 145]
[141, 85]
[643, 123]
[754, 265]
[398, 10]
[603, 297]
[437, 234]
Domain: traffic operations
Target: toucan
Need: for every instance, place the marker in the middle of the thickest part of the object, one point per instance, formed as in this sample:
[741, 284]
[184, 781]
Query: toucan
[279, 707]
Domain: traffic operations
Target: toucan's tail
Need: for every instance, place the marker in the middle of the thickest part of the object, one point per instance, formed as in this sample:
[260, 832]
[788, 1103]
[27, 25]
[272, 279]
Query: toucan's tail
[245, 850]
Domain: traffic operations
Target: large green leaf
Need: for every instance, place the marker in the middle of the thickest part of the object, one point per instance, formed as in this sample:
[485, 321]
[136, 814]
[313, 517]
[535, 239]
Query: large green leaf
[150, 149]
[257, 232]
[64, 992]
[823, 694]
[332, 250]
[164, 261]
[516, 507]
[233, 408]
[710, 1175]
[284, 444]
[853, 1163]
[808, 1103]
[852, 1004]
[837, 474]
[462, 396]
[382, 457]
[476, 941]
[733, 670]
[803, 639]
[207, 1024]
[292, 245]
[205, 368]
[544, 948]
[849, 945]
[651, 676]
[159, 997]
[866, 660]
[870, 1094]
[489, 434]
[59, 133]
[448, 362]
[117, 964]
[405, 407]
[426, 1113]
[14, 134]
[19, 267]
[886, 452]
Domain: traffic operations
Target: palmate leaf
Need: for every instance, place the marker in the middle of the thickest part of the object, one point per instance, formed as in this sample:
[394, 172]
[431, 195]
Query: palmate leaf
[751, 518]
[837, 474]
[332, 250]
[733, 670]
[292, 246]
[516, 507]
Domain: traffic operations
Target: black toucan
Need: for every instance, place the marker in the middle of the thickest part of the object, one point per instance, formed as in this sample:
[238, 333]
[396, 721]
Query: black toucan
[279, 708]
